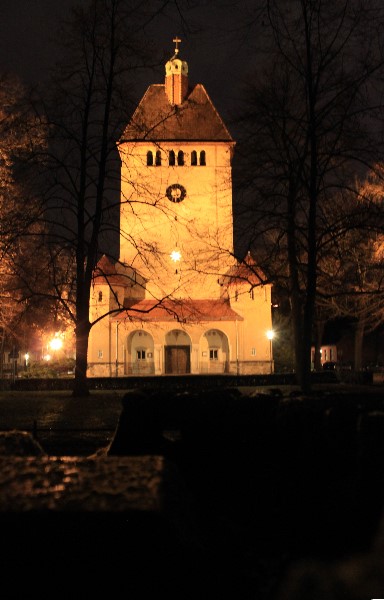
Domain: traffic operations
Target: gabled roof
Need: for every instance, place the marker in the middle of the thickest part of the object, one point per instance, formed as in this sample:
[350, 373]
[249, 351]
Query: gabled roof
[109, 273]
[191, 311]
[245, 272]
[105, 267]
[196, 119]
[105, 272]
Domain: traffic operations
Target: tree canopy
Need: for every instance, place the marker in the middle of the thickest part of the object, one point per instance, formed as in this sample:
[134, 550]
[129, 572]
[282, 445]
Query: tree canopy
[311, 126]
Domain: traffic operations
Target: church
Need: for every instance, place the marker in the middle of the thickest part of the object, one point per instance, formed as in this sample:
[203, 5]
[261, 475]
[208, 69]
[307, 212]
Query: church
[178, 301]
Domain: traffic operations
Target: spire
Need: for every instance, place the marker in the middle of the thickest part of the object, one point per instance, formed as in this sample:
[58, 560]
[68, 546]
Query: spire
[177, 40]
[176, 77]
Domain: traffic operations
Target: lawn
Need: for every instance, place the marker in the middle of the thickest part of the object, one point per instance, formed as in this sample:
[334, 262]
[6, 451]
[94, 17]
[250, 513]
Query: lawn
[61, 423]
[64, 424]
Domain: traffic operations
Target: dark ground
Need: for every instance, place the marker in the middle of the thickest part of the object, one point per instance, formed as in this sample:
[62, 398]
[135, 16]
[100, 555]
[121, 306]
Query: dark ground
[274, 477]
[62, 424]
[73, 426]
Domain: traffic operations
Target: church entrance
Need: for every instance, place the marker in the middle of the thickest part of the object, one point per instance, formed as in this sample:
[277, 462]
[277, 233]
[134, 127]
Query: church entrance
[177, 360]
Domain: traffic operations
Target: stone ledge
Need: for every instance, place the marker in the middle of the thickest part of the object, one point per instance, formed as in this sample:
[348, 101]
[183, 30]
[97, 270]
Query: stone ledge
[102, 484]
[136, 493]
[103, 526]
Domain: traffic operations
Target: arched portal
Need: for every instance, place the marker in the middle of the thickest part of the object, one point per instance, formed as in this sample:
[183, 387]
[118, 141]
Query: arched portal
[177, 353]
[140, 353]
[215, 352]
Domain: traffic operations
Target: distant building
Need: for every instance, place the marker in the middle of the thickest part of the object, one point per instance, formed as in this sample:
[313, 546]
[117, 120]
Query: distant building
[328, 353]
[11, 362]
[189, 305]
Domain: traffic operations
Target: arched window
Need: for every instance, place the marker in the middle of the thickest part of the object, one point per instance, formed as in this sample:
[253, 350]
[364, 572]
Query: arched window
[193, 158]
[172, 158]
[202, 158]
[180, 158]
[158, 158]
[149, 158]
[100, 296]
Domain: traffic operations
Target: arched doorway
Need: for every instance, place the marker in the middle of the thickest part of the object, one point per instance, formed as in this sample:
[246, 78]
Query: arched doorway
[177, 353]
[140, 353]
[215, 352]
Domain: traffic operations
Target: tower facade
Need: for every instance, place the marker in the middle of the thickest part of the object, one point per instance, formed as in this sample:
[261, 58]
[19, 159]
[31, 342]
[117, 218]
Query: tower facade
[178, 301]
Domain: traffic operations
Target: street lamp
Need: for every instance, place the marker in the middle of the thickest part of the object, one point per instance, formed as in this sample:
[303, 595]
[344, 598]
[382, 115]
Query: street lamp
[56, 343]
[175, 257]
[270, 336]
[53, 346]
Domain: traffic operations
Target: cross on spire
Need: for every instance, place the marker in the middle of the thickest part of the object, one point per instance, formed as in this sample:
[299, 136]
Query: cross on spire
[177, 41]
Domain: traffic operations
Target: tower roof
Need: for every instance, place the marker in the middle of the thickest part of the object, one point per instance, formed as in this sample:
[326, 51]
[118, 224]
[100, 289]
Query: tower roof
[176, 111]
[195, 119]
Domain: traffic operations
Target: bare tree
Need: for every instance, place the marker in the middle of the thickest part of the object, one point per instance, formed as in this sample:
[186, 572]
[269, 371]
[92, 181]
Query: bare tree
[22, 137]
[311, 129]
[359, 277]
[91, 98]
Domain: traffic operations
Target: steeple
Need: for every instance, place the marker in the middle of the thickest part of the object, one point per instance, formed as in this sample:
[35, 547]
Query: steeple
[176, 77]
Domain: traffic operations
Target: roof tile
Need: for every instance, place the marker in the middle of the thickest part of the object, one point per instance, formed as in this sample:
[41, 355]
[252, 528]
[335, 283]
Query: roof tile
[181, 311]
[195, 119]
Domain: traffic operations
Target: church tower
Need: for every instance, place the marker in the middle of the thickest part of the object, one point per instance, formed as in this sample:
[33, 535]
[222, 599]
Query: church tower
[176, 78]
[176, 276]
[176, 187]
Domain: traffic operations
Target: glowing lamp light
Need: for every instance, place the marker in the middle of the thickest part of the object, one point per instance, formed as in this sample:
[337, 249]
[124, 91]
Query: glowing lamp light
[56, 343]
[175, 255]
[270, 334]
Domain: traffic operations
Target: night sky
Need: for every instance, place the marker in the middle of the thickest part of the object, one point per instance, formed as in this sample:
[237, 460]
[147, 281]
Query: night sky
[216, 42]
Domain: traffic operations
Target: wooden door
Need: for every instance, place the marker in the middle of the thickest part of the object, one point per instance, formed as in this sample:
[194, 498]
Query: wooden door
[177, 360]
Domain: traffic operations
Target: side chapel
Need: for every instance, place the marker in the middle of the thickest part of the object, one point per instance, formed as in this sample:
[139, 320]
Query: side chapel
[189, 306]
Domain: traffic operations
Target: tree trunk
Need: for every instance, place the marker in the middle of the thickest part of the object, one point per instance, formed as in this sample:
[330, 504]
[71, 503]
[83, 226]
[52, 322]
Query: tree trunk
[358, 350]
[2, 356]
[297, 337]
[305, 375]
[80, 387]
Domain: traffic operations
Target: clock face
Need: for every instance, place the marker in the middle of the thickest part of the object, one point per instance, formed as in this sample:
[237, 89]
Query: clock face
[176, 192]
